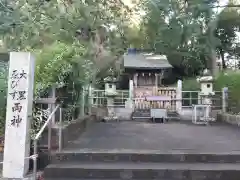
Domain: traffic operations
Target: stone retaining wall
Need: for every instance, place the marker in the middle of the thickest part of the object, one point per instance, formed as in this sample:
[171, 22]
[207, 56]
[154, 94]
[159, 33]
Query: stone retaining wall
[186, 114]
[99, 112]
[70, 132]
[123, 113]
[229, 118]
[74, 129]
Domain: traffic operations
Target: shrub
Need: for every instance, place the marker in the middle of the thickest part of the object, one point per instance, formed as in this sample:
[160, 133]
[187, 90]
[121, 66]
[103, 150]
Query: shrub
[190, 85]
[190, 97]
[231, 80]
[3, 93]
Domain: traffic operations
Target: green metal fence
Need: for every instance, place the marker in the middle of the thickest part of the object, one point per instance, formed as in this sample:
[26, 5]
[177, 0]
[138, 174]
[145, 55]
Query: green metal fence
[192, 97]
[188, 98]
[99, 98]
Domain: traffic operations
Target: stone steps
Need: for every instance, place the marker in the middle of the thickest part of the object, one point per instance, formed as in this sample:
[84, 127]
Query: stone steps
[145, 165]
[122, 170]
[145, 115]
[131, 150]
[146, 157]
[95, 179]
[85, 179]
[141, 113]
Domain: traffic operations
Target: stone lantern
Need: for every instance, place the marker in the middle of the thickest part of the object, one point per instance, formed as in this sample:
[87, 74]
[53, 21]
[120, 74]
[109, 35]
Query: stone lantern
[202, 111]
[110, 93]
[110, 87]
[206, 83]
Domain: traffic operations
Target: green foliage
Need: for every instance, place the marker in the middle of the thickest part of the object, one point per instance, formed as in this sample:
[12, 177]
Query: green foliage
[66, 37]
[3, 93]
[175, 28]
[191, 88]
[55, 62]
[39, 24]
[188, 32]
[190, 85]
[227, 27]
[231, 80]
[228, 79]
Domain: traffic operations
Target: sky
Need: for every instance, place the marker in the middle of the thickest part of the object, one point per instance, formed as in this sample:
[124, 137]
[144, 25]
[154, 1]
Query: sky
[222, 3]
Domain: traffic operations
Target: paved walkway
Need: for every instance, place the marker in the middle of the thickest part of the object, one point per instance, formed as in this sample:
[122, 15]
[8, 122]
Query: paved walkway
[159, 137]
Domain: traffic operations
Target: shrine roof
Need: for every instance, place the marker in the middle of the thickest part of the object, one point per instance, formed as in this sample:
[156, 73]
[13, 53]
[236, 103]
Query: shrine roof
[146, 61]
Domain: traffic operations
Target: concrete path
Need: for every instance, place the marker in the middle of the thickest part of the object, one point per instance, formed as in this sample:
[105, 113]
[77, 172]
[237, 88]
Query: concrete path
[168, 137]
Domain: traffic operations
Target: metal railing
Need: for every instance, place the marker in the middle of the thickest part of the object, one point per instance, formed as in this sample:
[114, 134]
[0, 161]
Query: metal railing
[38, 135]
[192, 97]
[100, 99]
[189, 98]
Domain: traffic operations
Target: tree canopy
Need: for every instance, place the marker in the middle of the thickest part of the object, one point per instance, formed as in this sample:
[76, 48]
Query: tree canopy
[227, 28]
[65, 33]
[94, 34]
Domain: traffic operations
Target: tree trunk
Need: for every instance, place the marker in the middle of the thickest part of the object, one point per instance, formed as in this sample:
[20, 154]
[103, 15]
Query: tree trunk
[213, 62]
[223, 59]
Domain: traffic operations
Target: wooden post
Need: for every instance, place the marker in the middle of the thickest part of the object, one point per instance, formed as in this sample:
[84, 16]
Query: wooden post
[224, 99]
[90, 98]
[53, 105]
[161, 76]
[156, 79]
[179, 96]
[135, 79]
[82, 101]
[130, 89]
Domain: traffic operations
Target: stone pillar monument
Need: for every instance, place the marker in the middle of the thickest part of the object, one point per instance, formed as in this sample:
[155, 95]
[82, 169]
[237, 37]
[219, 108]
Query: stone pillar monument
[90, 98]
[131, 89]
[179, 97]
[135, 79]
[224, 99]
[129, 101]
[19, 115]
[110, 93]
[82, 101]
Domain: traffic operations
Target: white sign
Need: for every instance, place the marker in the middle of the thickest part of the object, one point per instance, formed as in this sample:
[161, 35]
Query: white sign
[18, 116]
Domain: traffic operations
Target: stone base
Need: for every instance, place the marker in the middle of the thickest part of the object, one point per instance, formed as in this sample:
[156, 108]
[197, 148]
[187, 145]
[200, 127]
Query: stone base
[129, 104]
[110, 118]
[30, 176]
[229, 118]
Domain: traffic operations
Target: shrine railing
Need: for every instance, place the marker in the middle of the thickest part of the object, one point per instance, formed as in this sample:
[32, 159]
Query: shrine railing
[120, 99]
[158, 96]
